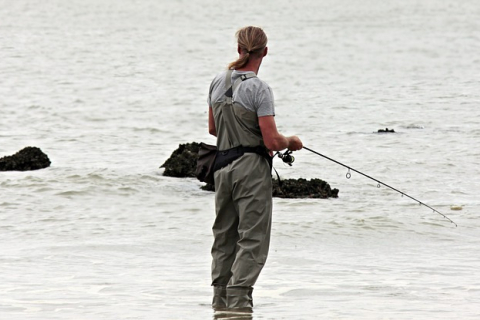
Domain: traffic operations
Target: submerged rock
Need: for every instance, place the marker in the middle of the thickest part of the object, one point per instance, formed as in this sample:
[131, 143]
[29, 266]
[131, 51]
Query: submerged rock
[183, 161]
[29, 158]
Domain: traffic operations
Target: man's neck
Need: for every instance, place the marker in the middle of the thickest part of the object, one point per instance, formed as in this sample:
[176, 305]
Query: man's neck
[252, 65]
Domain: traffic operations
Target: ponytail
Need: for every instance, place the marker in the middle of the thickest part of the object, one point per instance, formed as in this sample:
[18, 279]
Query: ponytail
[252, 41]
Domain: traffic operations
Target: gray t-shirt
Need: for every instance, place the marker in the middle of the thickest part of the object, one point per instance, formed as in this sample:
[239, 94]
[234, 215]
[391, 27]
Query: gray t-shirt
[253, 94]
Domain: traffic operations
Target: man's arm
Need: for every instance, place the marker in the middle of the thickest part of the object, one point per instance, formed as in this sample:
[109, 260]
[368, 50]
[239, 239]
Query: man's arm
[274, 141]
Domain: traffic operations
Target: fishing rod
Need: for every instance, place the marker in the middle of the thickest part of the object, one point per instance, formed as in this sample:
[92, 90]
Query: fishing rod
[289, 159]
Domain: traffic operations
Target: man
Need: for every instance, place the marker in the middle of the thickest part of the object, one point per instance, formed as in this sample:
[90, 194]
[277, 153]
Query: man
[241, 116]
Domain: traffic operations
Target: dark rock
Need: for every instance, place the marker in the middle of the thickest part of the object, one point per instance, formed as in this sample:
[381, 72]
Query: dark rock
[385, 130]
[29, 158]
[182, 164]
[183, 161]
[302, 188]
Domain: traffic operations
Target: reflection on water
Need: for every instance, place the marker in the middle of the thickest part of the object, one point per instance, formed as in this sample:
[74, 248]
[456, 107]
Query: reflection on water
[233, 314]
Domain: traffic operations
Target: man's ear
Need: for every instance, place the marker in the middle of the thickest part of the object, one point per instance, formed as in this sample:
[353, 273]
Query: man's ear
[265, 51]
[239, 50]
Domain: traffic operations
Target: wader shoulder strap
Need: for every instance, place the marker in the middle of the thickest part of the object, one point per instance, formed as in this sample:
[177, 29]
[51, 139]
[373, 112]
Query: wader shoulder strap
[243, 77]
[228, 85]
[229, 89]
[228, 79]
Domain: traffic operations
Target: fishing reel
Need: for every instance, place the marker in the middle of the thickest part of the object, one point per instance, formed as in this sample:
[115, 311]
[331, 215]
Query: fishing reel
[286, 157]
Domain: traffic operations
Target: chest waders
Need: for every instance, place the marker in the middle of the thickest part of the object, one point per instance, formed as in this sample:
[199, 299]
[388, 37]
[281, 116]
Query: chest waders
[243, 202]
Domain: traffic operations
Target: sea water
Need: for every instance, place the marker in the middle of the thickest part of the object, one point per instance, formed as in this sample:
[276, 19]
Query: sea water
[109, 89]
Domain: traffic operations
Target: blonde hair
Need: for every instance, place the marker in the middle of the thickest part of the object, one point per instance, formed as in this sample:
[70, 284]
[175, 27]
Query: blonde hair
[252, 41]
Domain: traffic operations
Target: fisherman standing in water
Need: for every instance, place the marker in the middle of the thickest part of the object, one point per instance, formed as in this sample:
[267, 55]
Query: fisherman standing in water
[241, 116]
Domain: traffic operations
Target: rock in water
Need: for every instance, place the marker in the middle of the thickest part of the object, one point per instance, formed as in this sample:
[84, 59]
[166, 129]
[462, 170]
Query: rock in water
[386, 130]
[302, 188]
[29, 158]
[183, 161]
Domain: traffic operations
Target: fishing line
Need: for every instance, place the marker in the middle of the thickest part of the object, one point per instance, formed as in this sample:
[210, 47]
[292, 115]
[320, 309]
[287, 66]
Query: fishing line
[286, 156]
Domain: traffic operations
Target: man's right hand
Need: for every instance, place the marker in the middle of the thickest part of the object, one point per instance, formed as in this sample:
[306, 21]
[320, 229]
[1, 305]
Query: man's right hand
[294, 143]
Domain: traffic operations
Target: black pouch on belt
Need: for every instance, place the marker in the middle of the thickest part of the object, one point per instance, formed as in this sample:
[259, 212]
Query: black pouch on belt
[224, 158]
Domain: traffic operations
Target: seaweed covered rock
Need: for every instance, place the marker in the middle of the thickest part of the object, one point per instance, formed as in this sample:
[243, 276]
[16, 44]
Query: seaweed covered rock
[302, 188]
[182, 162]
[29, 158]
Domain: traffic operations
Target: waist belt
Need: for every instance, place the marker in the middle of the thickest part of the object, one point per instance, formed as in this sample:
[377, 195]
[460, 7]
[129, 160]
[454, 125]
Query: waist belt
[226, 157]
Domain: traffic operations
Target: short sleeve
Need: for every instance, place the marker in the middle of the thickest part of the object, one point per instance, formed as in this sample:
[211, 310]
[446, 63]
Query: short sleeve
[265, 102]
